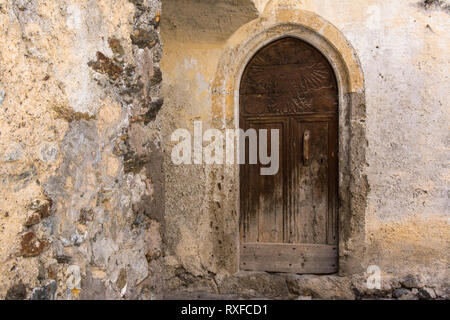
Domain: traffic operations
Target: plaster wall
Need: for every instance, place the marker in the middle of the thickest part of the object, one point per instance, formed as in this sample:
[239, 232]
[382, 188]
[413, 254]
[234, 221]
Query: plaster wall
[402, 48]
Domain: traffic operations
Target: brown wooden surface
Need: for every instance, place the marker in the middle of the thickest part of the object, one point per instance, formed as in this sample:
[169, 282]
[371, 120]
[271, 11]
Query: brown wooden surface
[288, 85]
[293, 258]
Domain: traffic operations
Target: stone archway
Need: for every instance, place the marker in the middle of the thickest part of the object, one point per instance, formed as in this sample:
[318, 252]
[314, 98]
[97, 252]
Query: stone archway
[353, 186]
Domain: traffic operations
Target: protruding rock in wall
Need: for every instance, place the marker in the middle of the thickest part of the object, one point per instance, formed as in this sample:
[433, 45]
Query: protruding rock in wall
[81, 209]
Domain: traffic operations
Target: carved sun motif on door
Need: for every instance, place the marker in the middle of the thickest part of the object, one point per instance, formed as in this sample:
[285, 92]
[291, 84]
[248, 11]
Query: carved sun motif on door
[285, 81]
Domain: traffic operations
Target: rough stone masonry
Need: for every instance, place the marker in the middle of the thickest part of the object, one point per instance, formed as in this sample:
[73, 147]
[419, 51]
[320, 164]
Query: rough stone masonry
[91, 206]
[82, 185]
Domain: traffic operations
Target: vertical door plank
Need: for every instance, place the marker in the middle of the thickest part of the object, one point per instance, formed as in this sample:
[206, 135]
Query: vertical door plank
[262, 214]
[309, 191]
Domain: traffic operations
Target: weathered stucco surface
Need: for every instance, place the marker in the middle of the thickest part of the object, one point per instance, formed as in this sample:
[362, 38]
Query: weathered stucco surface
[396, 55]
[91, 205]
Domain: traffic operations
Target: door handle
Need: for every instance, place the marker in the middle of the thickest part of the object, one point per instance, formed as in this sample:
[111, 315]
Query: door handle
[306, 139]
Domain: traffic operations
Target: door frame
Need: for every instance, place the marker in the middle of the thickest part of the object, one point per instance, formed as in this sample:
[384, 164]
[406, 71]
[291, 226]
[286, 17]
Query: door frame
[352, 181]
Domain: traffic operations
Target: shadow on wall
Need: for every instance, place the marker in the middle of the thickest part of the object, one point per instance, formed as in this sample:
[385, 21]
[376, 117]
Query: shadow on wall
[209, 20]
[436, 5]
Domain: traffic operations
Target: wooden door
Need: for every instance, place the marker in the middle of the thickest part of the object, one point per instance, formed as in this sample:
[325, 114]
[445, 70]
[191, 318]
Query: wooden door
[288, 221]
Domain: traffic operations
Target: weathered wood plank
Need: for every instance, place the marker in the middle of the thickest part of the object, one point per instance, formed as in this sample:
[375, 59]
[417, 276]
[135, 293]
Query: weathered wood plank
[262, 215]
[293, 258]
[309, 190]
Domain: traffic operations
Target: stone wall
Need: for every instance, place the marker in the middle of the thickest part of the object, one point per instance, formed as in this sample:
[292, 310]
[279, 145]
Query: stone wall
[81, 207]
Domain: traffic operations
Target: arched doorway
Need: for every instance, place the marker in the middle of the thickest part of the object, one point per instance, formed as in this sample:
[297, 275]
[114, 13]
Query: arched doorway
[288, 221]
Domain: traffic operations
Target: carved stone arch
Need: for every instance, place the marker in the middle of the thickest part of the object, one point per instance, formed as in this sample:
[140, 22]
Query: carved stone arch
[353, 186]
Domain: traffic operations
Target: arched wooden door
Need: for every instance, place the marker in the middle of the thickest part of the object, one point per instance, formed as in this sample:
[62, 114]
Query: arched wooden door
[288, 221]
